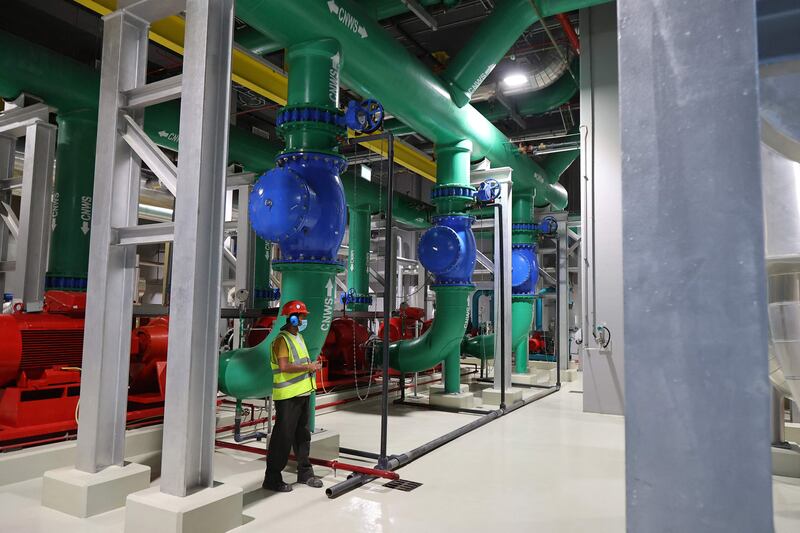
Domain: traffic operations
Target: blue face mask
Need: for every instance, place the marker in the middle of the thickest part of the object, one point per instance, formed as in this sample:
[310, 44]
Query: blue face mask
[303, 324]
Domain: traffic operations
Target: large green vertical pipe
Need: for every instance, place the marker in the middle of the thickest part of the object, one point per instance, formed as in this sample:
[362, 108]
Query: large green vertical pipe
[521, 357]
[68, 262]
[358, 258]
[488, 45]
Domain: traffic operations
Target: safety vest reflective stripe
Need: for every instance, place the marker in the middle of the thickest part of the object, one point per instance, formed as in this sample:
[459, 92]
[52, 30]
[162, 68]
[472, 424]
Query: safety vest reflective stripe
[290, 384]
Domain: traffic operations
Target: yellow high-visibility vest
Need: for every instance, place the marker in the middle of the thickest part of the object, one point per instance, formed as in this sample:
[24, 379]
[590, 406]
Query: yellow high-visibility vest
[290, 384]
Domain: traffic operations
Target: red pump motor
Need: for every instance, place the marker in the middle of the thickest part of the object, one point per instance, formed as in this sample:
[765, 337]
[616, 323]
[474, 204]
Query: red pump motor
[343, 348]
[404, 326]
[536, 343]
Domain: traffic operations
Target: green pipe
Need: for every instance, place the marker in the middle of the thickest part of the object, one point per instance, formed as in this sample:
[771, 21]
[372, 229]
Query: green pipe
[482, 346]
[262, 272]
[487, 46]
[257, 43]
[68, 262]
[529, 104]
[376, 65]
[358, 258]
[521, 357]
[442, 342]
[369, 195]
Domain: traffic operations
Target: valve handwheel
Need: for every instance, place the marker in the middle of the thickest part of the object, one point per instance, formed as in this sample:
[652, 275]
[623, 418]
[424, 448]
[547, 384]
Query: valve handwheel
[488, 191]
[364, 117]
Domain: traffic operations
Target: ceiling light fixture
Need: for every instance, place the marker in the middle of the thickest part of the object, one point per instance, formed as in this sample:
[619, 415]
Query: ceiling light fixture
[515, 80]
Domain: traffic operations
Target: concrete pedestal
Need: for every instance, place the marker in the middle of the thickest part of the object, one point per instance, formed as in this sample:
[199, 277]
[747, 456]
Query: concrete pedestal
[492, 396]
[214, 510]
[463, 399]
[83, 494]
[525, 379]
[786, 462]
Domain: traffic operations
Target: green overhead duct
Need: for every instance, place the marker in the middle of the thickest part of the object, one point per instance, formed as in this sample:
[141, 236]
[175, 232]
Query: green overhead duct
[510, 18]
[376, 65]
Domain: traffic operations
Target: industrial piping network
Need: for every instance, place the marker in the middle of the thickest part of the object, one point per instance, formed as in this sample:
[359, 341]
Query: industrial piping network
[309, 170]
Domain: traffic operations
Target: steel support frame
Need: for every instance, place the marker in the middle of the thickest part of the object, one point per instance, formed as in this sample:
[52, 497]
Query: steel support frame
[112, 268]
[697, 349]
[189, 417]
[502, 272]
[33, 226]
[7, 146]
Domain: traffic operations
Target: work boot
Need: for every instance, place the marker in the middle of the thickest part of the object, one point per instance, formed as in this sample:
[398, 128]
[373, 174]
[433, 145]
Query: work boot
[280, 487]
[313, 481]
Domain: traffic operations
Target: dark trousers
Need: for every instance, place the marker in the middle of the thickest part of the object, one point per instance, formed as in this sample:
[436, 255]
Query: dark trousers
[290, 431]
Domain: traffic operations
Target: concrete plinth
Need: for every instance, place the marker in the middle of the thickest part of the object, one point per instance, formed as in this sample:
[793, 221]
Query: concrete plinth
[524, 379]
[83, 494]
[492, 396]
[786, 462]
[325, 445]
[214, 510]
[463, 399]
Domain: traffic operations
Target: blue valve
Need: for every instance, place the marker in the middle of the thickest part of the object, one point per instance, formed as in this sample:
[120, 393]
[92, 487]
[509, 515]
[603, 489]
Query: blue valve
[488, 191]
[364, 117]
[548, 225]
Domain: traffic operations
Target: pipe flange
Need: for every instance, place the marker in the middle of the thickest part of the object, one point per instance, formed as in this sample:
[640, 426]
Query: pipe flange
[523, 246]
[270, 294]
[519, 296]
[321, 115]
[65, 283]
[449, 191]
[521, 226]
[334, 161]
[350, 298]
[446, 219]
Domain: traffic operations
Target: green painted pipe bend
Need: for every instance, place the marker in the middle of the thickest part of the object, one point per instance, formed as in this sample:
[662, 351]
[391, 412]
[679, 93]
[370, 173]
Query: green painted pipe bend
[482, 346]
[246, 372]
[494, 38]
[375, 65]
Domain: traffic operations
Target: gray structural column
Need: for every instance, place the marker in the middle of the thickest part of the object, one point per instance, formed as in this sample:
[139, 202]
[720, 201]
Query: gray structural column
[7, 144]
[33, 241]
[697, 395]
[109, 295]
[189, 417]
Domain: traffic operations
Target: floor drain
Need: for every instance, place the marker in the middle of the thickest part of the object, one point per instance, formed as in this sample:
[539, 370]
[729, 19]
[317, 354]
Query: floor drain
[576, 391]
[402, 484]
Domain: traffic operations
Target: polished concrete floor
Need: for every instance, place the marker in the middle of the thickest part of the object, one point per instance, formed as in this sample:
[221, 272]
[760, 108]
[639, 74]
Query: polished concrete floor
[546, 467]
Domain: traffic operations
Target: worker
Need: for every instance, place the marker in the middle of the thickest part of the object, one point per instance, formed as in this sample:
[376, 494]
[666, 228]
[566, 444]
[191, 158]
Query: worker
[293, 383]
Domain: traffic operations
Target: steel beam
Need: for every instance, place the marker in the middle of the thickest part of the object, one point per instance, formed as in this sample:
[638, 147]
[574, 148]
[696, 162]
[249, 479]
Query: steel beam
[112, 269]
[189, 415]
[150, 153]
[7, 144]
[697, 394]
[155, 93]
[33, 240]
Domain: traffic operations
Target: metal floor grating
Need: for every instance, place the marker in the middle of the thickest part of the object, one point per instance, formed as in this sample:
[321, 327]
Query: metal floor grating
[402, 484]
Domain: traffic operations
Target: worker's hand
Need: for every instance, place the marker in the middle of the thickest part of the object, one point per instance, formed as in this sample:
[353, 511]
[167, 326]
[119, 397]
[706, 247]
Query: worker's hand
[316, 365]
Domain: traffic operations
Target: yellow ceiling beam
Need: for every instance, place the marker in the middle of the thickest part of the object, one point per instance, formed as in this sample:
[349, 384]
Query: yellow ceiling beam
[249, 72]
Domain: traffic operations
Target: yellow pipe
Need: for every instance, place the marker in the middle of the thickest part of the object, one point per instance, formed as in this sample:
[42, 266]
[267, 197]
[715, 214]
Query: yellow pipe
[249, 72]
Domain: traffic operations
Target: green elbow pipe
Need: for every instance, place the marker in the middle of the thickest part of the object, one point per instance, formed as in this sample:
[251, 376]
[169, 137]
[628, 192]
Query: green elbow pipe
[255, 41]
[375, 65]
[365, 194]
[444, 335]
[494, 38]
[482, 346]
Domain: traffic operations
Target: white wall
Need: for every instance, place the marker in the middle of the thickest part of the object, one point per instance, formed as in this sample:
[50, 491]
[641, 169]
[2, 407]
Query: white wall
[603, 369]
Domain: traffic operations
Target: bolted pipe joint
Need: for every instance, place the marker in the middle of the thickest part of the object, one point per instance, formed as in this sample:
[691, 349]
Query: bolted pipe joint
[448, 250]
[300, 205]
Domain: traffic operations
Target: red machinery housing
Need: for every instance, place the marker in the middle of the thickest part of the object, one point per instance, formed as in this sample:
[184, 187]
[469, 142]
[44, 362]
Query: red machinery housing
[40, 365]
[536, 343]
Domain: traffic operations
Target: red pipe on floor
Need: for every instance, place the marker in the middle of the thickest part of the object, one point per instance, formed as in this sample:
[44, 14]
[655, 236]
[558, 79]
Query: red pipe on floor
[574, 41]
[336, 465]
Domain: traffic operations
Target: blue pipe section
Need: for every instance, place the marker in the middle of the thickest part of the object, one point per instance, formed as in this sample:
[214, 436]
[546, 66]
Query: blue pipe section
[300, 205]
[448, 250]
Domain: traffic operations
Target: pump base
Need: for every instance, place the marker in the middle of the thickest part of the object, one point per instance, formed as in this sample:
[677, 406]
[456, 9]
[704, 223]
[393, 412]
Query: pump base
[492, 396]
[214, 510]
[83, 494]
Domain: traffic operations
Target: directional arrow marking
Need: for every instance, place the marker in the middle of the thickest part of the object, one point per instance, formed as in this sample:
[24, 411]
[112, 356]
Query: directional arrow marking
[362, 32]
[85, 227]
[333, 7]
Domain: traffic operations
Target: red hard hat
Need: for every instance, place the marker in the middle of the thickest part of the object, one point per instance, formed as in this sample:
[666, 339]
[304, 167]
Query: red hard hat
[294, 307]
